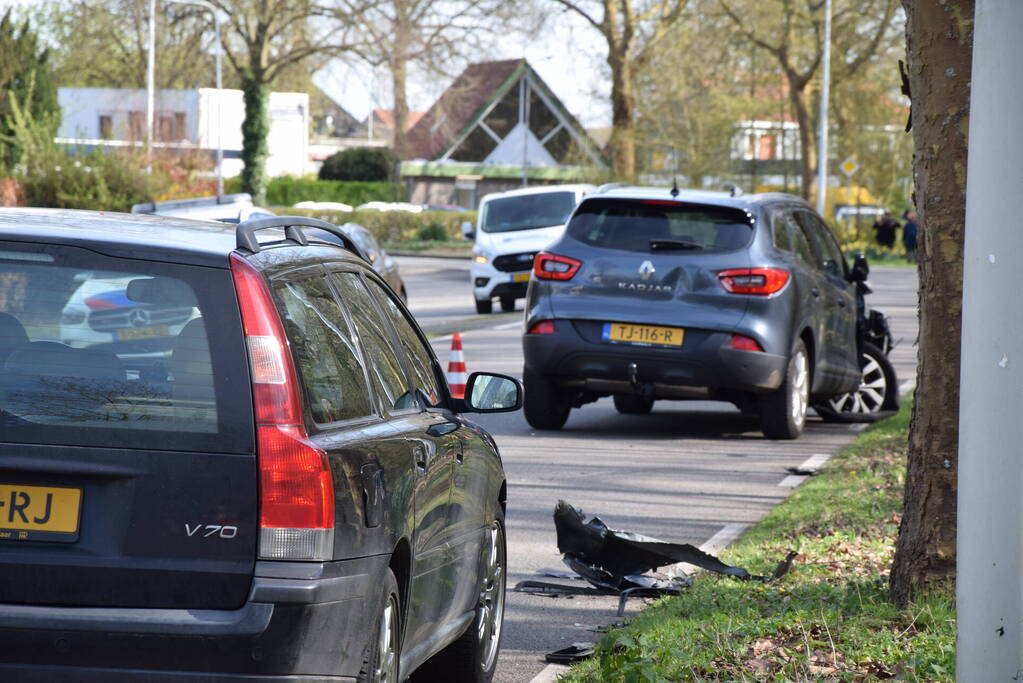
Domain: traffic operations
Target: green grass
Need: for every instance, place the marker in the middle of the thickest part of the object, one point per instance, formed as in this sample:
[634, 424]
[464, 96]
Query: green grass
[829, 619]
[426, 247]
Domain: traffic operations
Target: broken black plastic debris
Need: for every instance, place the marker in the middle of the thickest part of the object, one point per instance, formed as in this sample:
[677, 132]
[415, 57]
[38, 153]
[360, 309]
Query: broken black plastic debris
[576, 652]
[803, 471]
[607, 558]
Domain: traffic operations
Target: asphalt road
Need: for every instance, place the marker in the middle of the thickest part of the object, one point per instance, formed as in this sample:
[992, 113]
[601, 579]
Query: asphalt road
[689, 472]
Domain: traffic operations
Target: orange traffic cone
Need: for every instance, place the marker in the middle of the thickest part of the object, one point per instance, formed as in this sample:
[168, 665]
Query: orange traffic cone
[456, 367]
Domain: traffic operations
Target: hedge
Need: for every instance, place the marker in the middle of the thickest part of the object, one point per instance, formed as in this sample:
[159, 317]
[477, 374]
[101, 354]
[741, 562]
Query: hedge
[289, 190]
[392, 226]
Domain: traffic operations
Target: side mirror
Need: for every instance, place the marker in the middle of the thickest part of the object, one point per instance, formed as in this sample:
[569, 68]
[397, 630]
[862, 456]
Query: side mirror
[467, 231]
[488, 392]
[860, 269]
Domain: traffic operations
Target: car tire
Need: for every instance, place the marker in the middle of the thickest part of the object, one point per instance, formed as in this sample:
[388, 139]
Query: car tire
[507, 304]
[544, 405]
[876, 397]
[484, 306]
[473, 657]
[630, 404]
[783, 412]
[382, 659]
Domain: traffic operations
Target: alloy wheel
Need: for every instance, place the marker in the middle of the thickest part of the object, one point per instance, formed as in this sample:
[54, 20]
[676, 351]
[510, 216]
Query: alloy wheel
[386, 670]
[491, 602]
[800, 388]
[869, 396]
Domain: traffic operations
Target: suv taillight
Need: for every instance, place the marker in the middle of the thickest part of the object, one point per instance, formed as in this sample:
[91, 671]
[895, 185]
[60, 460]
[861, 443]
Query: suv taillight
[761, 281]
[553, 267]
[296, 491]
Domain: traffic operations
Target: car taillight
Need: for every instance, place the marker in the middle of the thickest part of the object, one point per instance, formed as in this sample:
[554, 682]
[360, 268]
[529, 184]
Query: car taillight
[744, 343]
[296, 491]
[542, 327]
[553, 267]
[761, 281]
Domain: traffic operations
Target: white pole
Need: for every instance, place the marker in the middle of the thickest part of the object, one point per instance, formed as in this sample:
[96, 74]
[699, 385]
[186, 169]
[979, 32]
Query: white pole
[989, 600]
[150, 79]
[822, 137]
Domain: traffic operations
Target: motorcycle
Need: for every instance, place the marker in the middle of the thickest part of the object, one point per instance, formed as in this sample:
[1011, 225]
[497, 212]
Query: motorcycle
[878, 393]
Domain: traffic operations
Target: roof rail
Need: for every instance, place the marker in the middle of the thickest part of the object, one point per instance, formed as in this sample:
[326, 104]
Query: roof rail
[246, 232]
[606, 187]
[153, 207]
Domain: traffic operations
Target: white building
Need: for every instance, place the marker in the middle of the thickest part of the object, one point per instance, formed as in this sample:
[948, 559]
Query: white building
[187, 120]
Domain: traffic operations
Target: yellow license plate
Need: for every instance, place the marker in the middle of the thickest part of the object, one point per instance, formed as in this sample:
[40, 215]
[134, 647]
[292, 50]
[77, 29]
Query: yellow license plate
[520, 277]
[39, 513]
[643, 334]
[151, 332]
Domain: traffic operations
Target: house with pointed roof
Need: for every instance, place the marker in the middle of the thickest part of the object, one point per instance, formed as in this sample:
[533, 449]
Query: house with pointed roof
[497, 124]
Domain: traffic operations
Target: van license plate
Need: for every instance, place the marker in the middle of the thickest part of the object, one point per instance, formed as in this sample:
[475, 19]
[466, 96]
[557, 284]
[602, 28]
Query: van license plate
[39, 513]
[520, 277]
[647, 335]
[151, 332]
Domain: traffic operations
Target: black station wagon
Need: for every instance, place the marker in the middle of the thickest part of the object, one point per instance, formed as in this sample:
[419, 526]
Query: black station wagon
[654, 294]
[228, 453]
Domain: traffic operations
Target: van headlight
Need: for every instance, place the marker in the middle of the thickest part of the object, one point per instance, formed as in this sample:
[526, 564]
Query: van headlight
[481, 255]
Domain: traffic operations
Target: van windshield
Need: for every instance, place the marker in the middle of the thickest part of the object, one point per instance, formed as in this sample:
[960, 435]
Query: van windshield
[527, 211]
[109, 352]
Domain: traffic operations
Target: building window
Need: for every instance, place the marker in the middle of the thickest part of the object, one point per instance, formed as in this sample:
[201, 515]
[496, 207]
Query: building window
[136, 125]
[541, 119]
[560, 145]
[505, 115]
[106, 126]
[476, 146]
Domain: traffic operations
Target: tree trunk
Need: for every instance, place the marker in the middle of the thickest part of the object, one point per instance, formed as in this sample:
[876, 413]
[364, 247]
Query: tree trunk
[255, 129]
[806, 138]
[939, 37]
[623, 121]
[399, 76]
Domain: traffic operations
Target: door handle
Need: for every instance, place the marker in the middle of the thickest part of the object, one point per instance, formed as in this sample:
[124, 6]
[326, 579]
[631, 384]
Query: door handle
[419, 452]
[816, 292]
[442, 428]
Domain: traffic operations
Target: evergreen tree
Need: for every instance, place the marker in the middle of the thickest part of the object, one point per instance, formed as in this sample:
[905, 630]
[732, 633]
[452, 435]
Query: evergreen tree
[26, 77]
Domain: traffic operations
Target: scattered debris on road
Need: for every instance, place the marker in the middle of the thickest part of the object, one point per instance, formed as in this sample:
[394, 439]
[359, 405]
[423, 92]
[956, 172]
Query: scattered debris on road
[616, 562]
[576, 652]
[803, 471]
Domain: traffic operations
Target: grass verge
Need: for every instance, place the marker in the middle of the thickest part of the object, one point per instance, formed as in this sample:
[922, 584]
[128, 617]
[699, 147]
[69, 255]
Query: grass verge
[829, 619]
[432, 247]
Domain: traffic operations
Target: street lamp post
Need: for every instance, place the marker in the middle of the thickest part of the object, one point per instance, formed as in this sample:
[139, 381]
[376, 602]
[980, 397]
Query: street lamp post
[822, 149]
[220, 144]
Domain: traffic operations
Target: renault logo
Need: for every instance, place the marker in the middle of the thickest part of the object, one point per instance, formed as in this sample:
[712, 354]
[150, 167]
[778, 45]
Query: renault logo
[646, 269]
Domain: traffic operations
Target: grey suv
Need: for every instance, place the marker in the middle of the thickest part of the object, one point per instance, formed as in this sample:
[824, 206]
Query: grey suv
[656, 294]
[280, 488]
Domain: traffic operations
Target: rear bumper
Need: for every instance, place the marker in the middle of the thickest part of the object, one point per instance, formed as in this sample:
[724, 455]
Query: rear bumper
[704, 364]
[302, 622]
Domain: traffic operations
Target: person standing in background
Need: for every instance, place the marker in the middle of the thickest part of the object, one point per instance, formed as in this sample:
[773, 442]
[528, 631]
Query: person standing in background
[909, 234]
[885, 228]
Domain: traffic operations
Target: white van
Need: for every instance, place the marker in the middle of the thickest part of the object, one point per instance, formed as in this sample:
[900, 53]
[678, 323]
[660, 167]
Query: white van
[511, 228]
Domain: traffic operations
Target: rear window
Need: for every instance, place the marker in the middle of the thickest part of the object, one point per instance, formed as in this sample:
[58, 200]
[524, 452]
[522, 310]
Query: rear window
[99, 351]
[527, 211]
[655, 225]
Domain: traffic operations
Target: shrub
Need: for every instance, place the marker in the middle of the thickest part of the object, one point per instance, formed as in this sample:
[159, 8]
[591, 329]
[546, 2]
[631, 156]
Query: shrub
[432, 232]
[288, 190]
[360, 163]
[395, 226]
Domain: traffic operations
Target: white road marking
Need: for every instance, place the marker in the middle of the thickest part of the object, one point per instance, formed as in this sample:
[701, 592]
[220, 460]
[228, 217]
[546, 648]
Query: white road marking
[550, 673]
[857, 428]
[814, 462]
[908, 385]
[723, 538]
[507, 326]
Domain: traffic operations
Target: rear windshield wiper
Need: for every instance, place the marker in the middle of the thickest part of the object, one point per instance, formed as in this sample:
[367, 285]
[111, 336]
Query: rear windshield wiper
[667, 245]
